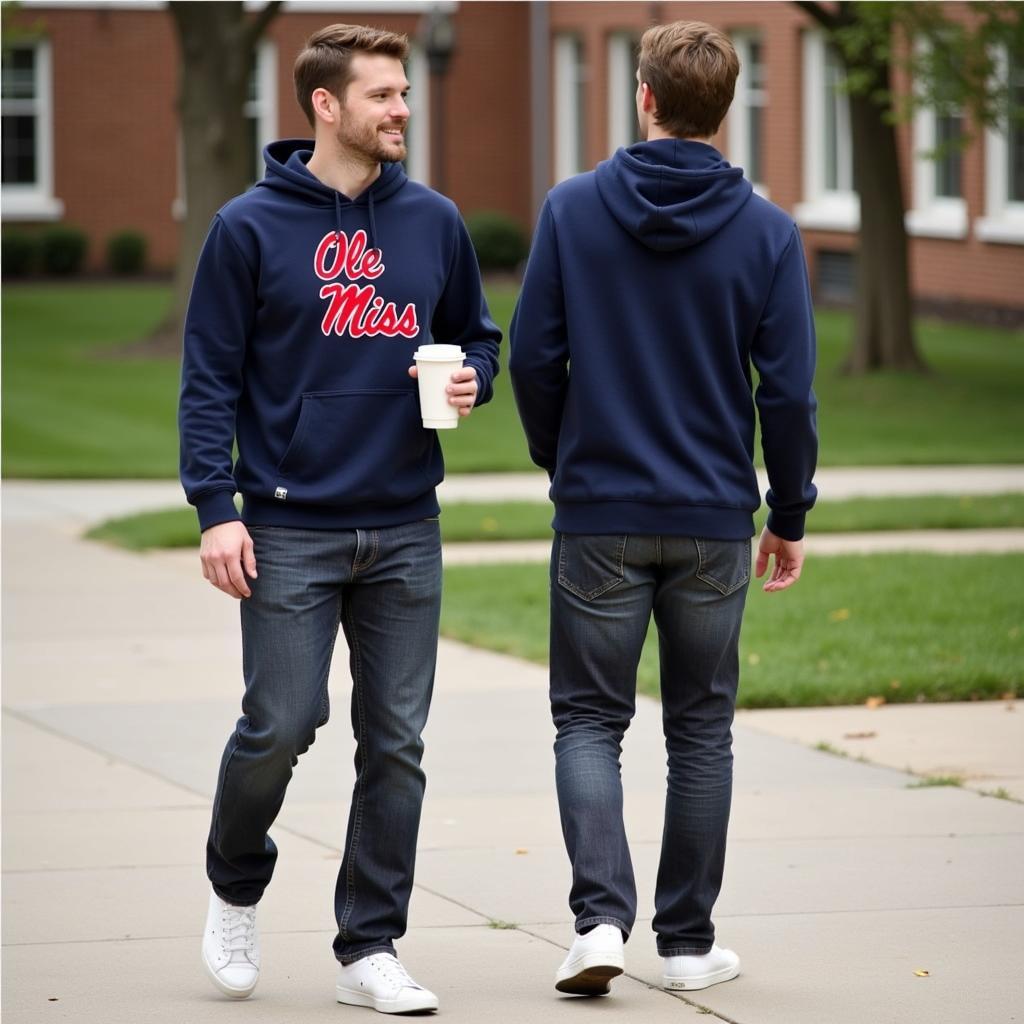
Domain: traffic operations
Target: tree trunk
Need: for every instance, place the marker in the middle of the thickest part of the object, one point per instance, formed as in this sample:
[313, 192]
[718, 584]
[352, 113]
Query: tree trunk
[217, 56]
[883, 321]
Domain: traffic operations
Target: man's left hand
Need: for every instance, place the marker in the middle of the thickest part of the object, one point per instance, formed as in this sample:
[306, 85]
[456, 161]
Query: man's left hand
[462, 388]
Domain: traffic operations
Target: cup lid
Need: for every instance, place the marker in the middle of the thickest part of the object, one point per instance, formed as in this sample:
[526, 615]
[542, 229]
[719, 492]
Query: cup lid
[437, 353]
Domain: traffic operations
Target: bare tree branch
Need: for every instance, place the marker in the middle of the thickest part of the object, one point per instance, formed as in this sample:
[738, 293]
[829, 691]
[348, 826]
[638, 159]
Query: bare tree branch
[255, 28]
[822, 15]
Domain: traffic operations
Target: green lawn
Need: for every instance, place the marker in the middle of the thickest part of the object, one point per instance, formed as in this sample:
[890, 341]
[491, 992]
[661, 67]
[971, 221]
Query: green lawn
[903, 627]
[74, 405]
[523, 520]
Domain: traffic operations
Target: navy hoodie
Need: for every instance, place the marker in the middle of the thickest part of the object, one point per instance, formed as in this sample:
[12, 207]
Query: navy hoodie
[653, 284]
[305, 312]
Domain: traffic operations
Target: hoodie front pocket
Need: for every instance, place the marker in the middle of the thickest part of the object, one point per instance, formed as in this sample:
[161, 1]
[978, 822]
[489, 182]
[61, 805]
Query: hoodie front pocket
[357, 447]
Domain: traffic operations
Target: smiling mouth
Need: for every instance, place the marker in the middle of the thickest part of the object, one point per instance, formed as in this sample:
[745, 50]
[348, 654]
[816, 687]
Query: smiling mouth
[394, 133]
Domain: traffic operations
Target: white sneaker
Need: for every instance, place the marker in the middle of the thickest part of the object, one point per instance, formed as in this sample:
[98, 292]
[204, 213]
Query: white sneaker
[380, 981]
[694, 972]
[231, 948]
[593, 960]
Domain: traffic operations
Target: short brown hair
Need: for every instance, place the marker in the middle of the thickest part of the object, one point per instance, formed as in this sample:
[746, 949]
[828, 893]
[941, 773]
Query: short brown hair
[691, 68]
[326, 60]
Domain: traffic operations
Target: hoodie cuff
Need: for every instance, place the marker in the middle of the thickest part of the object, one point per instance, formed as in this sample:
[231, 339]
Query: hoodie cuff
[485, 389]
[787, 525]
[216, 507]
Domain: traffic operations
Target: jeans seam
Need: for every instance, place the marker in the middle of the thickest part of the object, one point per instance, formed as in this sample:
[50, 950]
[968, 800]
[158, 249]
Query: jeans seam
[596, 592]
[223, 786]
[372, 557]
[684, 951]
[357, 815]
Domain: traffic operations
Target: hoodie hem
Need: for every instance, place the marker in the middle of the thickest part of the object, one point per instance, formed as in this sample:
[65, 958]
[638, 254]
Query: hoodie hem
[597, 517]
[263, 512]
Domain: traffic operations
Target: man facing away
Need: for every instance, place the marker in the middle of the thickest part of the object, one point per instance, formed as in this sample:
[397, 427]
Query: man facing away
[312, 291]
[653, 283]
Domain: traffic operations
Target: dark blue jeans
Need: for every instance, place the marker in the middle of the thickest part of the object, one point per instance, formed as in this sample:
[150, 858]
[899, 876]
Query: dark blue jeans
[384, 587]
[603, 592]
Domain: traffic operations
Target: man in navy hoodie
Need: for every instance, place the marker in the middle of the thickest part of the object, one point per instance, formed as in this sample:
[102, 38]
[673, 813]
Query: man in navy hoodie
[312, 292]
[653, 284]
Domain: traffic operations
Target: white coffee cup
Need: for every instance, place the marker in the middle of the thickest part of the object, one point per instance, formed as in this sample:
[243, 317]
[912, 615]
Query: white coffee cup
[435, 365]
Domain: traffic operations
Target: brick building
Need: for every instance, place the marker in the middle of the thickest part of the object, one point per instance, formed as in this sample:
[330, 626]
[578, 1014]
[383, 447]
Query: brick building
[534, 92]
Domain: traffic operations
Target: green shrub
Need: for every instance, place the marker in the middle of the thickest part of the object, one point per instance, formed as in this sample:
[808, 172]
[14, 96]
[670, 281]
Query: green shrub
[126, 252]
[19, 253]
[63, 250]
[500, 243]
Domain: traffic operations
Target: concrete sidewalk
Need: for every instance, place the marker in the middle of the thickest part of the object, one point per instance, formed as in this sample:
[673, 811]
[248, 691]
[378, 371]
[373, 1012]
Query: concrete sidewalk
[121, 684]
[91, 501]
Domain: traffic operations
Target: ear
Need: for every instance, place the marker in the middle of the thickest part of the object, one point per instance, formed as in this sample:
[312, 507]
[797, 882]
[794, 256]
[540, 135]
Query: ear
[647, 102]
[325, 105]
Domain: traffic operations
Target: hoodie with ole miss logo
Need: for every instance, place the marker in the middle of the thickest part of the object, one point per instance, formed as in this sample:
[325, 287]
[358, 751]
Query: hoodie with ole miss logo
[305, 311]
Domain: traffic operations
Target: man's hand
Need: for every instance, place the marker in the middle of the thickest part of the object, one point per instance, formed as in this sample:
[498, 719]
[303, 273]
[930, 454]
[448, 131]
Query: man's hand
[789, 560]
[225, 551]
[462, 388]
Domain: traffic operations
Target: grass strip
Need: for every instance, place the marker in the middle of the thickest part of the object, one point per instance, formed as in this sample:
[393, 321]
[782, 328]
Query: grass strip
[523, 520]
[900, 627]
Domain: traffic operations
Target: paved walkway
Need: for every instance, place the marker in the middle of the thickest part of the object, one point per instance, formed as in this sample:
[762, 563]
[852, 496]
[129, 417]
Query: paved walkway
[852, 898]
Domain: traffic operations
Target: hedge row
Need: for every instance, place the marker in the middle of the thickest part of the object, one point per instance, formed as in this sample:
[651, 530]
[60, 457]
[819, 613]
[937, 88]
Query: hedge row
[62, 250]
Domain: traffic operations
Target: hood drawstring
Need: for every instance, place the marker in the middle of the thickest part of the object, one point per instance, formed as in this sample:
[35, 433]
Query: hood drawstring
[373, 225]
[337, 220]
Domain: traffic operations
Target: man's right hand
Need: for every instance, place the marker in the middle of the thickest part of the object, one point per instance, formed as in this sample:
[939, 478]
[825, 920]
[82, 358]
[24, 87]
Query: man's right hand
[227, 555]
[789, 560]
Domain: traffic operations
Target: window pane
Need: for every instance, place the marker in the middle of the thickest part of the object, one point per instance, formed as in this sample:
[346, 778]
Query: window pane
[629, 87]
[753, 167]
[833, 75]
[19, 150]
[1015, 139]
[19, 74]
[755, 67]
[948, 129]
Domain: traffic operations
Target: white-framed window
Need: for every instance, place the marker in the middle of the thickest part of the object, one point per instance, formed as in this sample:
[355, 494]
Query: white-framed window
[623, 127]
[260, 110]
[745, 122]
[417, 163]
[261, 105]
[570, 107]
[27, 118]
[830, 202]
[1004, 166]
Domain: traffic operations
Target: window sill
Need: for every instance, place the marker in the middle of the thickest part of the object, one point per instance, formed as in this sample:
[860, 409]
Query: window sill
[1007, 230]
[945, 221]
[27, 207]
[839, 211]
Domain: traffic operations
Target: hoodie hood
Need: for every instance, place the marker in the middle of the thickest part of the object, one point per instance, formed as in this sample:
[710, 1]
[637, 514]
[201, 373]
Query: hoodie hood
[671, 194]
[286, 162]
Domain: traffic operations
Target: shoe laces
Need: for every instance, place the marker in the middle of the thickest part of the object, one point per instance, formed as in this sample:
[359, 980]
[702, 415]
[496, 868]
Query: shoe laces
[392, 970]
[238, 925]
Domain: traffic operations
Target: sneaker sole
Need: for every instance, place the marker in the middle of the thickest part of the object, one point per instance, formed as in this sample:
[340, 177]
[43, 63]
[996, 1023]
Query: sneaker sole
[700, 981]
[589, 976]
[227, 990]
[409, 1005]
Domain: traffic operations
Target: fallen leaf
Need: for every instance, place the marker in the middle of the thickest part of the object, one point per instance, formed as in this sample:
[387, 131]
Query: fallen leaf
[895, 684]
[1009, 695]
[874, 702]
[521, 851]
[839, 615]
[753, 659]
[489, 524]
[922, 974]
[859, 735]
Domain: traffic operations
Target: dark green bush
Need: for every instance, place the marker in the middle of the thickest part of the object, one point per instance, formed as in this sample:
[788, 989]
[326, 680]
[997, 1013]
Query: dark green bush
[126, 252]
[500, 243]
[63, 250]
[19, 253]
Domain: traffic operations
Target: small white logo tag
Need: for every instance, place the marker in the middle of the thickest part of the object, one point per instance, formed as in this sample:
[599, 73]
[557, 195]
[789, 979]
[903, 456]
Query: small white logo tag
[281, 492]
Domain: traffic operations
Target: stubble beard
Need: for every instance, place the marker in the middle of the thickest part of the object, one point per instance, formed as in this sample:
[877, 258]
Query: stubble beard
[363, 142]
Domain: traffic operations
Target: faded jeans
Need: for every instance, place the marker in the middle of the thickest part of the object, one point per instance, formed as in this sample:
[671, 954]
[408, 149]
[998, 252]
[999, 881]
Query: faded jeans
[604, 590]
[384, 588]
